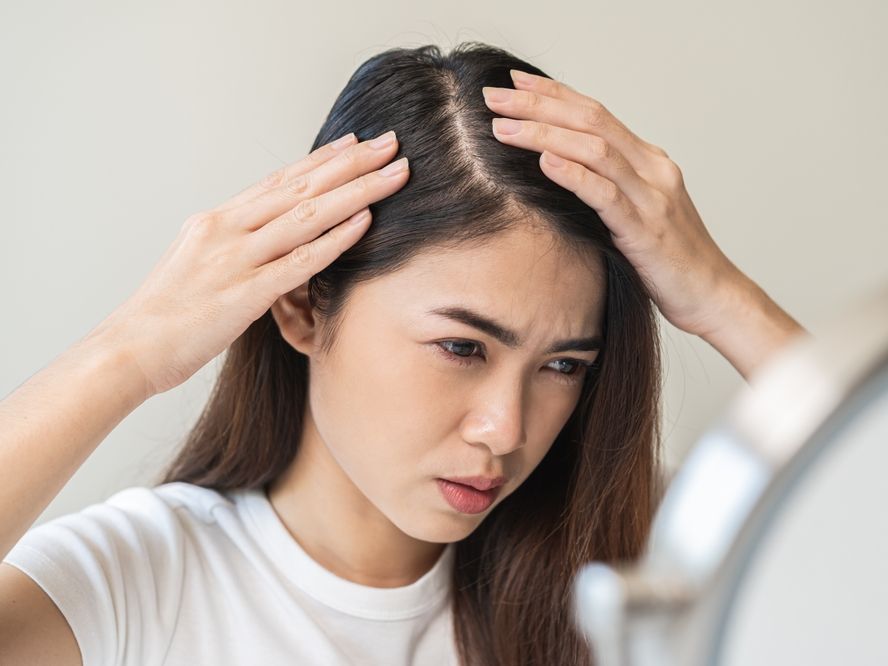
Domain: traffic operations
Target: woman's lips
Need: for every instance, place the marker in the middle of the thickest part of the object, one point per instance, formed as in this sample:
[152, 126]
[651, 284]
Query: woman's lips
[465, 498]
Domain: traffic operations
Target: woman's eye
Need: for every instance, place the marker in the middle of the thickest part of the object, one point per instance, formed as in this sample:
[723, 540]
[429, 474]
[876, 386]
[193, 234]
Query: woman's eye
[450, 345]
[460, 351]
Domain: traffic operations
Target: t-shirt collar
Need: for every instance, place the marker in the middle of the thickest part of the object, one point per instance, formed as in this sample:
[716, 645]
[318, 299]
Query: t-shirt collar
[393, 603]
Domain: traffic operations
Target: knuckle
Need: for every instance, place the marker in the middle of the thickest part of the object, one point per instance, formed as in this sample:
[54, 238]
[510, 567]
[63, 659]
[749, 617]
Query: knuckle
[582, 179]
[672, 176]
[303, 255]
[298, 186]
[598, 148]
[305, 210]
[220, 259]
[610, 193]
[200, 225]
[272, 180]
[656, 149]
[190, 221]
[530, 99]
[592, 114]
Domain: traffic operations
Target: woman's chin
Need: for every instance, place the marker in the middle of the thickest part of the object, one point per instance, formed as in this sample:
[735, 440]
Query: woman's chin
[441, 528]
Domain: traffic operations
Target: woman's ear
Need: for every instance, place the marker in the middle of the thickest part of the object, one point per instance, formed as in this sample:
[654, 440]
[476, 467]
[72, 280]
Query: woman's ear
[295, 319]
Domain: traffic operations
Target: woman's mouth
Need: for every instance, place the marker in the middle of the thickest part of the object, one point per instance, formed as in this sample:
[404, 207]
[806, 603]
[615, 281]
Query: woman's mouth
[465, 498]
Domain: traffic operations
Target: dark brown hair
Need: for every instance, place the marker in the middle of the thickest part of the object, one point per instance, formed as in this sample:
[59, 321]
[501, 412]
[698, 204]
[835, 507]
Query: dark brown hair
[593, 495]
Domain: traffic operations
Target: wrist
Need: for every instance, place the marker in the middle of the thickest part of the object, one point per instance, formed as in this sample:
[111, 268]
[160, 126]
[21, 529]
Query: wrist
[752, 326]
[113, 352]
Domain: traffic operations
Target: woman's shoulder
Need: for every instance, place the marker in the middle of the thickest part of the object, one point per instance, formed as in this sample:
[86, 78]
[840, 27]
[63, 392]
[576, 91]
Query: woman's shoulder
[161, 505]
[114, 567]
[145, 517]
[200, 502]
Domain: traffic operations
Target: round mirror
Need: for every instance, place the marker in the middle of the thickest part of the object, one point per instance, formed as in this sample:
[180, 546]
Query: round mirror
[770, 542]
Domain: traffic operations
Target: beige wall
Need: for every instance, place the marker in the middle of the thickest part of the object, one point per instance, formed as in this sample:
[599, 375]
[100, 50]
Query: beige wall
[117, 123]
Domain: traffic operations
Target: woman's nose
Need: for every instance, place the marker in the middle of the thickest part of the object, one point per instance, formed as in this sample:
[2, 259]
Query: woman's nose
[497, 419]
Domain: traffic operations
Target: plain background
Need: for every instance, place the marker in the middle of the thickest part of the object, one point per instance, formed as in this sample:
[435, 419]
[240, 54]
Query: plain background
[118, 120]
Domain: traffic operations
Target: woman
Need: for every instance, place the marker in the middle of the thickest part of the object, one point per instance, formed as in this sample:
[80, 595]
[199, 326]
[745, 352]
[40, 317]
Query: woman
[496, 320]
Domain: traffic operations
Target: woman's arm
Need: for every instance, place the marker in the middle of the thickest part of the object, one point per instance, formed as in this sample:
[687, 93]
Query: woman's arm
[751, 328]
[52, 423]
[640, 195]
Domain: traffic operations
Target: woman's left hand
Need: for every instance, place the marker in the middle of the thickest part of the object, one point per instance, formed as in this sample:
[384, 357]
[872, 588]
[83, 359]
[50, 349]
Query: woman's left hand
[636, 189]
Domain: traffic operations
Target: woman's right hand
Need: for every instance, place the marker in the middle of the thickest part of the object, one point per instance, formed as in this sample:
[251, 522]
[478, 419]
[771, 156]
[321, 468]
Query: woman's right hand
[229, 264]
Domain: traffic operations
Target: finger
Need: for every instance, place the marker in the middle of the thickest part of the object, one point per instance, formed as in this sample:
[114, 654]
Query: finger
[586, 116]
[615, 209]
[275, 178]
[589, 114]
[297, 266]
[590, 150]
[312, 217]
[353, 162]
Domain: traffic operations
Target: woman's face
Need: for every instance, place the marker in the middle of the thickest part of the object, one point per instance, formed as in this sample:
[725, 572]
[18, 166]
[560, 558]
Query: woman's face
[397, 412]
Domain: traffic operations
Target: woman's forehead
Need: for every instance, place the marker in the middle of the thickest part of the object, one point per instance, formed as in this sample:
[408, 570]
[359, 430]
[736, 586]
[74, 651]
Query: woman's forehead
[523, 278]
[514, 260]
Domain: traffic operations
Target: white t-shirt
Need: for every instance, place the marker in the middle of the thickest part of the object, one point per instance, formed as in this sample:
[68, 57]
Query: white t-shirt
[178, 574]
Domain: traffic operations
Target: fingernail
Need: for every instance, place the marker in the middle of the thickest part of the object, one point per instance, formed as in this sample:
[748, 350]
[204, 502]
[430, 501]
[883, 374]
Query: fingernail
[506, 126]
[521, 77]
[383, 140]
[495, 94]
[342, 142]
[359, 217]
[553, 159]
[395, 168]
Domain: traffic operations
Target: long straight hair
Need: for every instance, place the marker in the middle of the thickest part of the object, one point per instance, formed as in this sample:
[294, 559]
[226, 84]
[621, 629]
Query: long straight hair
[593, 495]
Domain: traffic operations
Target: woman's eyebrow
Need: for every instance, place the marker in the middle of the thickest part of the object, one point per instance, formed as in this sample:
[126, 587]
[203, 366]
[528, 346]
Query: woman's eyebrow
[508, 337]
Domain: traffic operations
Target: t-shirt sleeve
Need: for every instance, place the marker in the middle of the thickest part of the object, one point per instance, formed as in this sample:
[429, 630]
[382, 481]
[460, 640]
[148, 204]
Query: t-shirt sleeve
[112, 570]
